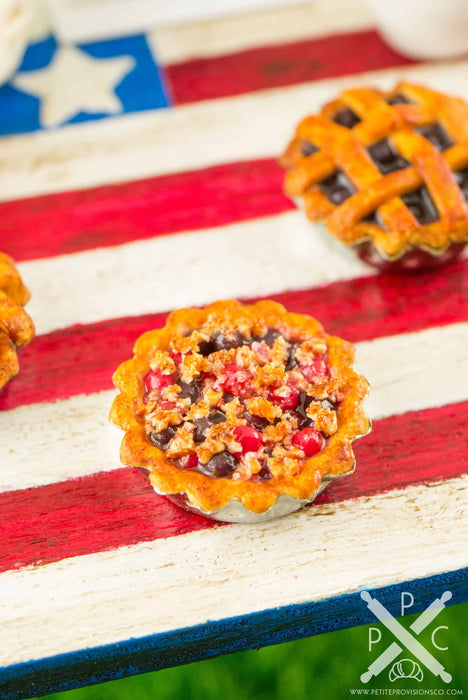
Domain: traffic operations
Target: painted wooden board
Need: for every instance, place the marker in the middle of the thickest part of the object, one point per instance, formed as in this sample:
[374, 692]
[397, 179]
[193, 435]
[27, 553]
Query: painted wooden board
[77, 21]
[96, 211]
[220, 35]
[194, 136]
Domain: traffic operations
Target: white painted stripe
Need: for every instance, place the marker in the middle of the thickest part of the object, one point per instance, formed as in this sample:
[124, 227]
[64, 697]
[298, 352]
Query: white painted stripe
[49, 442]
[140, 145]
[413, 371]
[278, 25]
[78, 21]
[72, 438]
[233, 570]
[257, 257]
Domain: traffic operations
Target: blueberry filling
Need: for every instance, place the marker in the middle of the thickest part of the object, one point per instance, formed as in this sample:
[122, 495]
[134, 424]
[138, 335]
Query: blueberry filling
[270, 337]
[189, 391]
[217, 417]
[398, 100]
[222, 465]
[300, 414]
[338, 187]
[258, 422]
[461, 176]
[308, 148]
[221, 342]
[437, 135]
[206, 347]
[202, 425]
[163, 438]
[265, 474]
[303, 420]
[373, 218]
[291, 361]
[346, 117]
[251, 436]
[304, 402]
[386, 157]
[421, 206]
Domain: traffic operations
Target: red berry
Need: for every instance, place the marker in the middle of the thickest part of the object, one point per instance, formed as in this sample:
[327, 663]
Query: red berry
[155, 379]
[188, 461]
[177, 357]
[309, 440]
[208, 378]
[249, 439]
[167, 405]
[317, 370]
[238, 380]
[285, 396]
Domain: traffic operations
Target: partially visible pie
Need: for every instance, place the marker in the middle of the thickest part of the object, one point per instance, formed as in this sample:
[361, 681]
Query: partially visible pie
[388, 172]
[16, 327]
[240, 412]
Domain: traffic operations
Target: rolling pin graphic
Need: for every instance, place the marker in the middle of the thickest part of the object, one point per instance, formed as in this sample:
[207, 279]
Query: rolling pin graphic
[407, 639]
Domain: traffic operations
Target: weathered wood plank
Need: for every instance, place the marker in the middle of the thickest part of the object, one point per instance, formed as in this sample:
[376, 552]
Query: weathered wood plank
[361, 309]
[232, 261]
[275, 66]
[122, 509]
[135, 146]
[239, 633]
[232, 570]
[220, 35]
[104, 542]
[73, 437]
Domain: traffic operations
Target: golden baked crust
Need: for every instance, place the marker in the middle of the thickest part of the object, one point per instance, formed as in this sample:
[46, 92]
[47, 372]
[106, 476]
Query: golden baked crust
[130, 407]
[410, 118]
[16, 327]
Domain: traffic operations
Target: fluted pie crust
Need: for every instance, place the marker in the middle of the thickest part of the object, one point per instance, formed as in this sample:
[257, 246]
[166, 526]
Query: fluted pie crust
[375, 211]
[16, 326]
[205, 492]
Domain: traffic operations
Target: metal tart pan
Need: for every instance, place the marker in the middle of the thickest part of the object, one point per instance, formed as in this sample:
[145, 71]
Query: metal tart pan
[412, 259]
[235, 512]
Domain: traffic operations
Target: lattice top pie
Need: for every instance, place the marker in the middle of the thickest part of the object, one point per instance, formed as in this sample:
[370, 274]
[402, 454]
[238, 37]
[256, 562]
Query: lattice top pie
[240, 402]
[389, 167]
[16, 327]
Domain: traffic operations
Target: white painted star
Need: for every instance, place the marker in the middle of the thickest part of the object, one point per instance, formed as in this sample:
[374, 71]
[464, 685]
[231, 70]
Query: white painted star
[75, 82]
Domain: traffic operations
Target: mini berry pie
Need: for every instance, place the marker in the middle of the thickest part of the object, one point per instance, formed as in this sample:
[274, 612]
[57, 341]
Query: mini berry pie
[16, 327]
[240, 413]
[388, 172]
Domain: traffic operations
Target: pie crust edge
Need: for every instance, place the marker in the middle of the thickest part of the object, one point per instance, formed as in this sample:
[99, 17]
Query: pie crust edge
[207, 493]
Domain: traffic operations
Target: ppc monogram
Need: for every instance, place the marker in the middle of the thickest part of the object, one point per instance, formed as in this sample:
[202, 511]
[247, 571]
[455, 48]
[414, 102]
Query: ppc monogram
[406, 639]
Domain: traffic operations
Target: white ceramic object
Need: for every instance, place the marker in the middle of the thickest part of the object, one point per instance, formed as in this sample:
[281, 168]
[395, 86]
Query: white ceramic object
[423, 29]
[15, 18]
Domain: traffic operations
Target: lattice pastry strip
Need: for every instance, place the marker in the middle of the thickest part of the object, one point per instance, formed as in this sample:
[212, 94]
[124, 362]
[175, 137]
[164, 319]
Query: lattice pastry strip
[16, 327]
[385, 167]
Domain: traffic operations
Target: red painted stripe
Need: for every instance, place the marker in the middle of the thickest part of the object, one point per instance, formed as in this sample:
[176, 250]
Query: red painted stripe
[54, 366]
[280, 65]
[68, 222]
[114, 509]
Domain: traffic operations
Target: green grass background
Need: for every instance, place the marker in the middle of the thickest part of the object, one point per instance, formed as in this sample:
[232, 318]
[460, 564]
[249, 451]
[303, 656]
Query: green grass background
[324, 667]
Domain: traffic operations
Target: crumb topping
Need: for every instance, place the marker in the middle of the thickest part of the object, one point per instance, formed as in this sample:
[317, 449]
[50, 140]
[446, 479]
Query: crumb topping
[247, 401]
[263, 408]
[244, 402]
